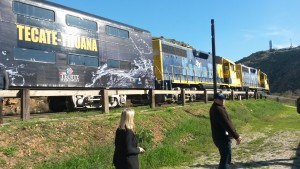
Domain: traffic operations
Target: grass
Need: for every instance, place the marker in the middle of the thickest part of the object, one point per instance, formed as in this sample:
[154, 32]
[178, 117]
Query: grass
[171, 135]
[8, 151]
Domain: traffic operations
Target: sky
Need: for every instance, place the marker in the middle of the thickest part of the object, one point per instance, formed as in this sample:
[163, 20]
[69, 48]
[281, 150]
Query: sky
[242, 27]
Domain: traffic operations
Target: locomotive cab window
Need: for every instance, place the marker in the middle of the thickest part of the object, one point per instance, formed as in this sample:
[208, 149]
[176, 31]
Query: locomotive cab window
[253, 70]
[113, 31]
[232, 67]
[81, 23]
[33, 11]
[199, 54]
[83, 60]
[226, 67]
[246, 70]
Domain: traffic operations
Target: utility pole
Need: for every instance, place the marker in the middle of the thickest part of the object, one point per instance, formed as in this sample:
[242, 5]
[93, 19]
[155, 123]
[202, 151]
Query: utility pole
[213, 54]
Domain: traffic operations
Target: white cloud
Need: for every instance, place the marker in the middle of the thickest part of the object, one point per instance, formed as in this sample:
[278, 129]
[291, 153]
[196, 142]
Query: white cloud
[276, 31]
[280, 46]
[284, 45]
[248, 36]
[270, 32]
[282, 36]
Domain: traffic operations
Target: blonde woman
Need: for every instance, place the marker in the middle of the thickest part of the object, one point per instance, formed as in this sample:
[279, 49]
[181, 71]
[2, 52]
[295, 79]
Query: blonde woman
[126, 145]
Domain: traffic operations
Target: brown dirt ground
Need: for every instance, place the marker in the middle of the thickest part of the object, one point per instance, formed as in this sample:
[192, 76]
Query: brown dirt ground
[279, 151]
[12, 106]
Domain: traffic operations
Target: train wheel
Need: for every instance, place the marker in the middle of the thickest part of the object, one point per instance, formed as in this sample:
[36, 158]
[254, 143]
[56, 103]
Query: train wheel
[174, 98]
[192, 97]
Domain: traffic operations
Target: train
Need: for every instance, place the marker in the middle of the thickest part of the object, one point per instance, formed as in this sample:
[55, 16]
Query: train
[45, 45]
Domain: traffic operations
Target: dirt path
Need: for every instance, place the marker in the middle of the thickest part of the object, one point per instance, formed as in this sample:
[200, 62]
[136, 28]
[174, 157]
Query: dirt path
[281, 150]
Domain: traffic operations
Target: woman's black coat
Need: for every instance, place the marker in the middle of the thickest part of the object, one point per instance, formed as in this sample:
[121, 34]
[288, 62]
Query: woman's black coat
[126, 150]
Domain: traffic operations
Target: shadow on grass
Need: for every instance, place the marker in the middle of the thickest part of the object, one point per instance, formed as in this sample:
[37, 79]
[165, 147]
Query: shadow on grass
[203, 166]
[293, 163]
[196, 115]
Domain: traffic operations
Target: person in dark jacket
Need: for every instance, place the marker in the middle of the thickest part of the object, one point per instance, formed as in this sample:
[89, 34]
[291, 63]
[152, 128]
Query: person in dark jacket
[222, 130]
[126, 145]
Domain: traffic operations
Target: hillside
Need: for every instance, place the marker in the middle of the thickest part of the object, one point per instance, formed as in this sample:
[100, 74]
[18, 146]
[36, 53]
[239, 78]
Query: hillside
[282, 67]
[174, 137]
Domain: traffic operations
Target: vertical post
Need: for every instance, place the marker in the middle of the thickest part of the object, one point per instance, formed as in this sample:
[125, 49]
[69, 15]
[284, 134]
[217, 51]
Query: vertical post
[213, 54]
[152, 97]
[205, 96]
[247, 94]
[25, 104]
[183, 96]
[1, 108]
[105, 105]
[232, 95]
[255, 94]
[298, 105]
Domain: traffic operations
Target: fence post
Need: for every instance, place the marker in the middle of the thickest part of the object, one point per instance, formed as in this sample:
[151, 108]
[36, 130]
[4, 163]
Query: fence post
[1, 109]
[247, 94]
[205, 96]
[183, 96]
[152, 97]
[255, 94]
[105, 104]
[25, 104]
[239, 97]
[232, 95]
[298, 105]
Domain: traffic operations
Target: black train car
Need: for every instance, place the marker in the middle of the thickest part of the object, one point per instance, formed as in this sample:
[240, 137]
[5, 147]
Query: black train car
[46, 45]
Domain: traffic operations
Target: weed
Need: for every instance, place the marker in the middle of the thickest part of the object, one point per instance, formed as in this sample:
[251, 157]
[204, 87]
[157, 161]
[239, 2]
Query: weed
[145, 138]
[169, 110]
[8, 151]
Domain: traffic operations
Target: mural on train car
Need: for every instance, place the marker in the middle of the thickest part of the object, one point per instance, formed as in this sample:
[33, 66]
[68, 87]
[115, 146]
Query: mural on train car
[39, 42]
[140, 76]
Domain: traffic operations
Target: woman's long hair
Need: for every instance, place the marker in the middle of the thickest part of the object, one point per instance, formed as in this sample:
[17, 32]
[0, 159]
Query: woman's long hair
[127, 119]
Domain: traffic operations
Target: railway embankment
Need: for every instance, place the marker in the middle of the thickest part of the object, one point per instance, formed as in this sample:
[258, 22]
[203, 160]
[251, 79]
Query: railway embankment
[173, 136]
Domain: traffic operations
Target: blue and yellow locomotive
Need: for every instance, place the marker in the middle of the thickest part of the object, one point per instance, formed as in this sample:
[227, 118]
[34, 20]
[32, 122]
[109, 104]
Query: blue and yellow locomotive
[177, 65]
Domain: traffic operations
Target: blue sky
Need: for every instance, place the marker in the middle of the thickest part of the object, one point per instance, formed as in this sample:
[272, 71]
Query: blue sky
[242, 27]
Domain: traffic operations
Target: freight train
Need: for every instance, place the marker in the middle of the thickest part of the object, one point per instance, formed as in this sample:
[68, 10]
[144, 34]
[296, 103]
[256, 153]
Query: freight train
[45, 45]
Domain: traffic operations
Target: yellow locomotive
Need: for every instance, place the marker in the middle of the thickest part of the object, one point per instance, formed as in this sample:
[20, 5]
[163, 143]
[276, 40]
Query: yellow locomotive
[178, 65]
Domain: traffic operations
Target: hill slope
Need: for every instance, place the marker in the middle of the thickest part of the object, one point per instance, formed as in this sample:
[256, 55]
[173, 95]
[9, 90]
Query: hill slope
[172, 135]
[282, 67]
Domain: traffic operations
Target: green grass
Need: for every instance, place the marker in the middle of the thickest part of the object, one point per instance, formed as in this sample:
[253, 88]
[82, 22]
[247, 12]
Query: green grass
[9, 151]
[171, 134]
[97, 157]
